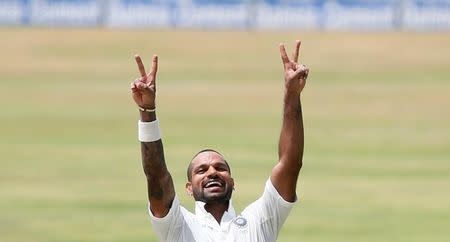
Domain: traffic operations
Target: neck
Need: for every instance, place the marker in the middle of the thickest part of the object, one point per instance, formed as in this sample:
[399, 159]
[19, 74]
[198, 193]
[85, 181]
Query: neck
[217, 209]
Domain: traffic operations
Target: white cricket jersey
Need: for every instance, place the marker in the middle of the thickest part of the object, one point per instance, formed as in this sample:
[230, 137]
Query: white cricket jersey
[260, 221]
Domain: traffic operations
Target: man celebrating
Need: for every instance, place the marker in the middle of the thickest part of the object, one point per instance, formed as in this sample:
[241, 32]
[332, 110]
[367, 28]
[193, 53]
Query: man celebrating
[209, 175]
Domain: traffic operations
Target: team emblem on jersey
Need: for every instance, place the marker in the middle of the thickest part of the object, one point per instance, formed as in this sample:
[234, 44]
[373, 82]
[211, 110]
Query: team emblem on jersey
[240, 221]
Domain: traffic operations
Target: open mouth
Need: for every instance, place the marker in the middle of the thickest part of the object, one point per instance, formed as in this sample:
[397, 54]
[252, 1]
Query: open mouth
[213, 184]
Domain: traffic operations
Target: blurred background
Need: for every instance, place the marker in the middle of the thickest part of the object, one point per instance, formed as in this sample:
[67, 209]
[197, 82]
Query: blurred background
[376, 112]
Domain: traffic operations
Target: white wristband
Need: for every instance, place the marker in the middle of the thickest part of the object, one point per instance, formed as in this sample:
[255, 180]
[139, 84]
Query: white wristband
[149, 131]
[147, 110]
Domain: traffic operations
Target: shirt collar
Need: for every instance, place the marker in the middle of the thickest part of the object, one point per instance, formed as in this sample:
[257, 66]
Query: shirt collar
[228, 215]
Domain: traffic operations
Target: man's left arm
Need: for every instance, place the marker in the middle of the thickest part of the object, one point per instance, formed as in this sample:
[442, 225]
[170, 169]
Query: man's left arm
[290, 147]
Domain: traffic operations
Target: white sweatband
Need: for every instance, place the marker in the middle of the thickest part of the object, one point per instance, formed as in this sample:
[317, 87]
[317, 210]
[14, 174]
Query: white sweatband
[147, 110]
[149, 131]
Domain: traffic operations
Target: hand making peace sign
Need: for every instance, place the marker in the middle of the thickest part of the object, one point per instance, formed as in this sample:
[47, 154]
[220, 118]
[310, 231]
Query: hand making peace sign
[294, 74]
[144, 88]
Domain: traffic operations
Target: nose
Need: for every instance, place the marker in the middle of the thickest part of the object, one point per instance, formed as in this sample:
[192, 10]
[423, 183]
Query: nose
[212, 172]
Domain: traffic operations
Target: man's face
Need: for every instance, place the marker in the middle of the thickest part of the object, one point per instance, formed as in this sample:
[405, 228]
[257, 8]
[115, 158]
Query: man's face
[211, 180]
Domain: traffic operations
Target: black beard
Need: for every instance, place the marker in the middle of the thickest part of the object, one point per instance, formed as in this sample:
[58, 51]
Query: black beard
[221, 199]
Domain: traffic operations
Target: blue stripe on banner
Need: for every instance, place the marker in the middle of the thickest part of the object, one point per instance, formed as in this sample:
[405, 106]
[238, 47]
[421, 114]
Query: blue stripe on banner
[218, 2]
[74, 2]
[431, 3]
[364, 4]
[144, 2]
[295, 3]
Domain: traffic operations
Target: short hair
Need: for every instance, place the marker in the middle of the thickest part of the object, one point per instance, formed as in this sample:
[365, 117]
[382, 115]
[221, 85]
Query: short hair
[189, 169]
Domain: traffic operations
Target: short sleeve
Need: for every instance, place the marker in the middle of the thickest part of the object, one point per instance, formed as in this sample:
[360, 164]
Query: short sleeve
[270, 209]
[171, 224]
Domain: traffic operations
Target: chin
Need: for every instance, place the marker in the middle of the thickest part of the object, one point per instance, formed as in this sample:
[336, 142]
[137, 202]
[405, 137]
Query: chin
[216, 200]
[218, 197]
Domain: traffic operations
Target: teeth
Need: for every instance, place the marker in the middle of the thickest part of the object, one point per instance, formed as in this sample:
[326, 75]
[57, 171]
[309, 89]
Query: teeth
[213, 183]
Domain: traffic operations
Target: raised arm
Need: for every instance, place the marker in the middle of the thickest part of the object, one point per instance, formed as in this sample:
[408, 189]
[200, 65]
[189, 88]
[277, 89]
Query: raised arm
[160, 187]
[290, 147]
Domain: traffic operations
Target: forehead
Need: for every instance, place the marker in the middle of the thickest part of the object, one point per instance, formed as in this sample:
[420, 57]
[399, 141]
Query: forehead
[206, 158]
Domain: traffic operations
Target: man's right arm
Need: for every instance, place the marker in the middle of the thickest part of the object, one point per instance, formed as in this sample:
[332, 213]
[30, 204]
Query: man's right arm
[160, 186]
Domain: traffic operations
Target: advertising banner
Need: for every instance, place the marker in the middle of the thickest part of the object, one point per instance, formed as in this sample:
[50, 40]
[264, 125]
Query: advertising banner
[63, 12]
[279, 14]
[360, 15]
[139, 13]
[213, 14]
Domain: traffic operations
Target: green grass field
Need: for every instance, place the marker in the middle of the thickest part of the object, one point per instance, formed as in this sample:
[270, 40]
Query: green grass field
[376, 110]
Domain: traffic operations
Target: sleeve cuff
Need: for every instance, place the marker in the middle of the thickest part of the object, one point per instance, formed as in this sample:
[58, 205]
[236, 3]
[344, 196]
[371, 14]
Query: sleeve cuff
[270, 188]
[175, 203]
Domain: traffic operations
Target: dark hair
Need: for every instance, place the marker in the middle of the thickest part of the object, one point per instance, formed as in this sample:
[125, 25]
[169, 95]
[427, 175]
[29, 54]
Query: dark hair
[189, 169]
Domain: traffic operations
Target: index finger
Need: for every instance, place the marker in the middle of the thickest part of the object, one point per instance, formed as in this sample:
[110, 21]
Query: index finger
[284, 56]
[140, 65]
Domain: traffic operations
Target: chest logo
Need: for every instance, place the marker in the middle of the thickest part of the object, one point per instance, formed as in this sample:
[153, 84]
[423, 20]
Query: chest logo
[240, 221]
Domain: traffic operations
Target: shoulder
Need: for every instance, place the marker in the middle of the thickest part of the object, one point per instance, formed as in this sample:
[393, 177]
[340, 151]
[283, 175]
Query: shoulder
[269, 204]
[176, 212]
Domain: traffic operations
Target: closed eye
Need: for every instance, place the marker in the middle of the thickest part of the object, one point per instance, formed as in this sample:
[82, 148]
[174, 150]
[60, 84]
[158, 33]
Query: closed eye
[221, 168]
[200, 170]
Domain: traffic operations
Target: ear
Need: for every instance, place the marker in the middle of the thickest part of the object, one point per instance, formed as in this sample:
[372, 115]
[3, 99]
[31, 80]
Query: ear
[232, 183]
[189, 188]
